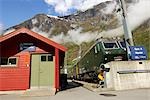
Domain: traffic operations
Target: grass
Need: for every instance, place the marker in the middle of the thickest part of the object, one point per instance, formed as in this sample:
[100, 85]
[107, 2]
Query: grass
[60, 27]
[73, 51]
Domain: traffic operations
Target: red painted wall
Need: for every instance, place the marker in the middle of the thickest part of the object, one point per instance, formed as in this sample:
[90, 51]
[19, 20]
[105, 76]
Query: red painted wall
[16, 78]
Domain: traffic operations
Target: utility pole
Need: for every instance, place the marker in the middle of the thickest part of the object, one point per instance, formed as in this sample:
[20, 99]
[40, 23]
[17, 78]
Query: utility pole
[127, 31]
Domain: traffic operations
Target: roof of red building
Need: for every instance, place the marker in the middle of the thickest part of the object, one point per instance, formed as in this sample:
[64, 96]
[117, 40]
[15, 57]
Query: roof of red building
[35, 35]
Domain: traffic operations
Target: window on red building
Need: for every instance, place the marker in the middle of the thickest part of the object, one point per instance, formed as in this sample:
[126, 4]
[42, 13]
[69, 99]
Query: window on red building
[8, 61]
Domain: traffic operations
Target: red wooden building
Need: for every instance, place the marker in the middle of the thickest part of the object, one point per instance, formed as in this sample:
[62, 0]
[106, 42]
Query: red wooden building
[29, 60]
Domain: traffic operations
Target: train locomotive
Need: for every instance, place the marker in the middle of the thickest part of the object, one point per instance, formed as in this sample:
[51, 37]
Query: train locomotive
[88, 67]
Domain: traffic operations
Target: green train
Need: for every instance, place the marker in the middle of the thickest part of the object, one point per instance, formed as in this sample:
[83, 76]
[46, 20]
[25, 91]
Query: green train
[102, 51]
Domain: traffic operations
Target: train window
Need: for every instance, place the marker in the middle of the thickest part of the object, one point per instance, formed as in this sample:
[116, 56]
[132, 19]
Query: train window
[110, 45]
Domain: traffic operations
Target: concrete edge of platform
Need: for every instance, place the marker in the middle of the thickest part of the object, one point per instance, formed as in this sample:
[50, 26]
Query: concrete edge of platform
[12, 92]
[30, 92]
[92, 87]
[40, 92]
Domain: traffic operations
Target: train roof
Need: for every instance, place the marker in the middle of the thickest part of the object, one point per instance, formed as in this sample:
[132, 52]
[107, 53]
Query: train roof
[109, 39]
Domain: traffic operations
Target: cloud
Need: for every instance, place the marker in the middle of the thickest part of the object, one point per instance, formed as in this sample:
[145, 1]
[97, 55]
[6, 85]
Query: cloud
[75, 36]
[86, 4]
[117, 32]
[35, 29]
[138, 13]
[66, 6]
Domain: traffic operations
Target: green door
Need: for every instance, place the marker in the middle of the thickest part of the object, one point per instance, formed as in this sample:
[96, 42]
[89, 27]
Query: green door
[42, 71]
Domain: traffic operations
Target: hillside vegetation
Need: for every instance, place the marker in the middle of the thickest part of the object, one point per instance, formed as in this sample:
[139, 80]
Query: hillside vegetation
[142, 37]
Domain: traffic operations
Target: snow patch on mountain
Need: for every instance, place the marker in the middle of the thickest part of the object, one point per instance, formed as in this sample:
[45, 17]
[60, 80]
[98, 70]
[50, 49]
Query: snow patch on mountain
[56, 17]
[34, 21]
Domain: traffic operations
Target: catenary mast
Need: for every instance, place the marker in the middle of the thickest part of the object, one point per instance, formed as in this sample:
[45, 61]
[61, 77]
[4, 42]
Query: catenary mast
[127, 31]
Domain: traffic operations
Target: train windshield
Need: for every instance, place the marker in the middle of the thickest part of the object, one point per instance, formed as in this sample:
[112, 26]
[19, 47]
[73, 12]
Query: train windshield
[110, 45]
[122, 44]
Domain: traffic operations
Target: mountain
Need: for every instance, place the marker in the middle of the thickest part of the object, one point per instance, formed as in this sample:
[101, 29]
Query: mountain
[46, 24]
[90, 20]
[90, 23]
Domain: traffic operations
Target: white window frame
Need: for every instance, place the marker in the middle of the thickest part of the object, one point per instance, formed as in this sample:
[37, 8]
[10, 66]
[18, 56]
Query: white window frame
[121, 45]
[10, 65]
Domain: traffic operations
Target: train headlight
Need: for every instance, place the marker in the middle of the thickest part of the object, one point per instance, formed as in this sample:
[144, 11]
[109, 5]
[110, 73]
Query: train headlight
[108, 52]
